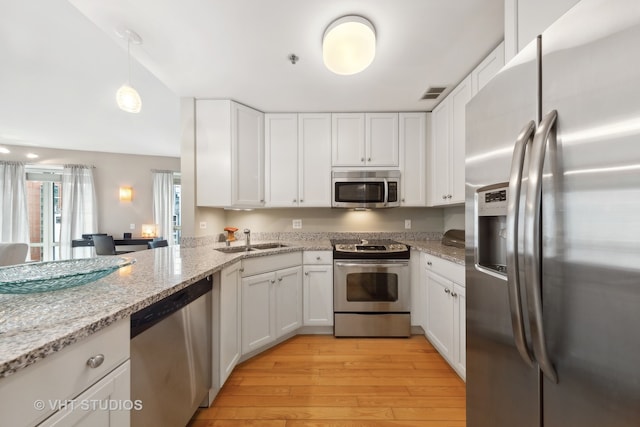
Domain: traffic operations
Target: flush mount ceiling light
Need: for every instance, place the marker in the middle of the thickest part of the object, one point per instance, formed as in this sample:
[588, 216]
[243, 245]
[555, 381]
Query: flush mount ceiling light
[349, 45]
[127, 97]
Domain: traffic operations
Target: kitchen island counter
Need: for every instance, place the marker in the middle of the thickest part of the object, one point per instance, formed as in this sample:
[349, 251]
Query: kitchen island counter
[33, 326]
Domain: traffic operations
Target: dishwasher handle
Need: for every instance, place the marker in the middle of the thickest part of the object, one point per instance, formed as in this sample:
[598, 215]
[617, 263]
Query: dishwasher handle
[149, 316]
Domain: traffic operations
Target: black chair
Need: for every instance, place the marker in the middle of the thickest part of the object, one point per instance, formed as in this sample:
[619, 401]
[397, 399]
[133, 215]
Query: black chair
[157, 244]
[105, 246]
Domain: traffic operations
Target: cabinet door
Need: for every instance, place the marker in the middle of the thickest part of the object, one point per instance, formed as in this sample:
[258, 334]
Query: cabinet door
[317, 294]
[381, 136]
[347, 139]
[230, 320]
[258, 311]
[413, 161]
[459, 98]
[93, 407]
[314, 160]
[288, 290]
[488, 68]
[440, 314]
[281, 160]
[460, 328]
[247, 140]
[439, 159]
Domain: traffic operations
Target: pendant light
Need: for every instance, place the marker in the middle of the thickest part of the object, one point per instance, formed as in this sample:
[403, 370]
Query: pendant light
[127, 97]
[349, 45]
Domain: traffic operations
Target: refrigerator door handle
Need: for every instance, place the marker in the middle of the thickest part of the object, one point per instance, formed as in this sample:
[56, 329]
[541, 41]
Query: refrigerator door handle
[546, 134]
[513, 212]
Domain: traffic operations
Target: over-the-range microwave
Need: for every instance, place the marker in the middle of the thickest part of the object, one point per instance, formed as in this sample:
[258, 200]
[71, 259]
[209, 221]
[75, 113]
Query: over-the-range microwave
[365, 189]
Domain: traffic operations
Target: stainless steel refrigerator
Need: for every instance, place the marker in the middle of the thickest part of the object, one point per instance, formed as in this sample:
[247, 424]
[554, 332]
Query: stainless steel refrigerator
[553, 228]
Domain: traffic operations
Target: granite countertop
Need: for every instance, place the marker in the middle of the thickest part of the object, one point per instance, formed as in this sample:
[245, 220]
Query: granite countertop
[33, 326]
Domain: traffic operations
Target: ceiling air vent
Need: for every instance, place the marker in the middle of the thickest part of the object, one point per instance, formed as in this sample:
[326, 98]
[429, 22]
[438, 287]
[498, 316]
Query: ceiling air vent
[433, 92]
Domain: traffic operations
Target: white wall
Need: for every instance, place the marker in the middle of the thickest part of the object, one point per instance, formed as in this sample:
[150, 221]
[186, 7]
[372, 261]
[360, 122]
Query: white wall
[111, 171]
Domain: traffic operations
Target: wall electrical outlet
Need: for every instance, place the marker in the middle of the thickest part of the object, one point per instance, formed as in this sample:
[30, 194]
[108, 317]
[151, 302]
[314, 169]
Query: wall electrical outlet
[407, 224]
[132, 226]
[203, 224]
[297, 223]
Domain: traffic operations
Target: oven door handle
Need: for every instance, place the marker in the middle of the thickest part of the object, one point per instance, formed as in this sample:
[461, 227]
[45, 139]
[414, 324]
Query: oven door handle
[371, 264]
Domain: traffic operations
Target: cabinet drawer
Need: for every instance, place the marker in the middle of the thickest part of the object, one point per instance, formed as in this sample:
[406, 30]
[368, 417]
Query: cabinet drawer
[317, 257]
[444, 268]
[264, 264]
[62, 375]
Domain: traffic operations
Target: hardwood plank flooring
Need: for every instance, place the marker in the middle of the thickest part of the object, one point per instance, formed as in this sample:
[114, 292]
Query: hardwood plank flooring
[320, 380]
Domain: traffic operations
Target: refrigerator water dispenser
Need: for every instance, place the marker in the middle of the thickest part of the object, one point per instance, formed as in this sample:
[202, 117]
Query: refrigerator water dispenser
[491, 250]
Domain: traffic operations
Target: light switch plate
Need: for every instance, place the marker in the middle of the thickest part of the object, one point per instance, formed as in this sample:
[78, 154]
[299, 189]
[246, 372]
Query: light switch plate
[203, 224]
[132, 226]
[407, 224]
[297, 223]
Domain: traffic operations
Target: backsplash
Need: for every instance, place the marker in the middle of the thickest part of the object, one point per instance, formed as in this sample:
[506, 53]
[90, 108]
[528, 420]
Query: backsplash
[193, 242]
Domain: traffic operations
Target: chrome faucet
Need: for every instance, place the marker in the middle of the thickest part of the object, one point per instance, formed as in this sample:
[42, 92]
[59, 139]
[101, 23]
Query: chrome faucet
[247, 235]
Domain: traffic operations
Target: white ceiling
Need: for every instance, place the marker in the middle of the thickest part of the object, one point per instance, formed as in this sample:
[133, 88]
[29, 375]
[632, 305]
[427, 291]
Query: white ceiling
[64, 69]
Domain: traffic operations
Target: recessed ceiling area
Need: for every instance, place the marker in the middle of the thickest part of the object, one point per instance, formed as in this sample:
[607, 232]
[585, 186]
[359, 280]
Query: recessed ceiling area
[66, 62]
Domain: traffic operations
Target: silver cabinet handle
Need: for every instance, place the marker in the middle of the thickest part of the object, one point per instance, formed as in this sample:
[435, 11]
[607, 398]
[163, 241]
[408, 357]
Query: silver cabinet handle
[362, 159]
[447, 291]
[241, 270]
[272, 281]
[301, 200]
[318, 258]
[386, 191]
[429, 263]
[545, 135]
[295, 200]
[513, 270]
[444, 197]
[453, 294]
[306, 273]
[369, 159]
[95, 361]
[279, 279]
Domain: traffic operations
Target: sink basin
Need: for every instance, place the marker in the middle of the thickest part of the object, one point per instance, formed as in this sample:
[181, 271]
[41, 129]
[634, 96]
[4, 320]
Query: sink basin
[259, 246]
[268, 246]
[234, 249]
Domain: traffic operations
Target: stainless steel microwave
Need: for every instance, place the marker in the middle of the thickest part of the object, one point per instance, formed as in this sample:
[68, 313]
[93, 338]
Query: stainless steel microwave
[365, 189]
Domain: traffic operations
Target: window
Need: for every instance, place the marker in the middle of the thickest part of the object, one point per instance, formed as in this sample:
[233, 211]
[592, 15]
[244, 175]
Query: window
[44, 198]
[177, 207]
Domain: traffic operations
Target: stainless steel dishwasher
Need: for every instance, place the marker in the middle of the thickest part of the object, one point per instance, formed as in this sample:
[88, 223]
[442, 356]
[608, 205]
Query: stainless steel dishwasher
[171, 357]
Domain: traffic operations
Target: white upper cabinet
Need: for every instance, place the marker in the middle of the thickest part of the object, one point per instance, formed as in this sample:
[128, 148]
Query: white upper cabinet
[314, 160]
[381, 139]
[281, 159]
[447, 147]
[365, 139]
[413, 158]
[229, 154]
[298, 160]
[488, 68]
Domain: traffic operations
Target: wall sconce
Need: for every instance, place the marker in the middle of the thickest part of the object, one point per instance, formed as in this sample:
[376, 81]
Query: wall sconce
[349, 45]
[148, 230]
[126, 194]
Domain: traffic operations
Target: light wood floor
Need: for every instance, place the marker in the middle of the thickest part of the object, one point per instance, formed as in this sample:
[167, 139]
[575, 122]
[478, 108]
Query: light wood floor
[319, 380]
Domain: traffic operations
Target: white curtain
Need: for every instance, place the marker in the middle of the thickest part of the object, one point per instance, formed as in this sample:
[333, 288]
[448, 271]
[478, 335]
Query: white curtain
[79, 209]
[163, 200]
[14, 222]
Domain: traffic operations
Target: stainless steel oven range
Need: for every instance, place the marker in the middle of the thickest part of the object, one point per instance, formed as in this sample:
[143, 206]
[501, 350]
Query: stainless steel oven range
[371, 289]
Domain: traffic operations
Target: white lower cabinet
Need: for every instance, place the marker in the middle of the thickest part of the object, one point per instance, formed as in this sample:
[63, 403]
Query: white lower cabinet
[105, 404]
[271, 300]
[84, 384]
[230, 320]
[446, 305]
[317, 288]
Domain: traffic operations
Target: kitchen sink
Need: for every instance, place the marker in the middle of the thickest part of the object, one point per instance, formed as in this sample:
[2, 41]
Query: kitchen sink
[256, 247]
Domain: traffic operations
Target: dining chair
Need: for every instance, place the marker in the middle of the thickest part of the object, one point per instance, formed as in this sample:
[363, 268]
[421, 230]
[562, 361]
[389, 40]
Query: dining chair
[106, 246]
[157, 244]
[13, 253]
